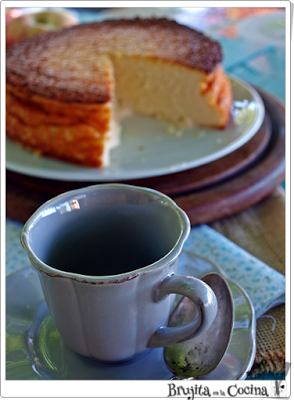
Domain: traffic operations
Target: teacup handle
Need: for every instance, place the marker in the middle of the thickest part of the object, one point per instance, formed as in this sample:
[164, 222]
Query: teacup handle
[202, 296]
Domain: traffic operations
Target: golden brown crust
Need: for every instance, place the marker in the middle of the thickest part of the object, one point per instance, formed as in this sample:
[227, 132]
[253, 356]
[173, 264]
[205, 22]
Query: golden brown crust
[76, 133]
[52, 141]
[217, 86]
[61, 64]
[62, 77]
[34, 109]
[225, 100]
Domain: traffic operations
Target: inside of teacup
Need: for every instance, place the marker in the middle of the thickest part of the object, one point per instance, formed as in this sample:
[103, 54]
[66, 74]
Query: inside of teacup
[102, 235]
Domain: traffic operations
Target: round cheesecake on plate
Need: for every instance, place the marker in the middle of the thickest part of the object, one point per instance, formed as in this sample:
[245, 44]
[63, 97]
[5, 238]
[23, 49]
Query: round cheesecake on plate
[68, 89]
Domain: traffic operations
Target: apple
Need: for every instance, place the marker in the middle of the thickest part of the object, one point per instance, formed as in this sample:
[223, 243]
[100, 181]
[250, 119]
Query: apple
[11, 13]
[31, 24]
[8, 16]
[56, 18]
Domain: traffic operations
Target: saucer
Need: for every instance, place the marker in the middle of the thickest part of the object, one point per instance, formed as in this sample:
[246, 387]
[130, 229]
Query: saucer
[35, 350]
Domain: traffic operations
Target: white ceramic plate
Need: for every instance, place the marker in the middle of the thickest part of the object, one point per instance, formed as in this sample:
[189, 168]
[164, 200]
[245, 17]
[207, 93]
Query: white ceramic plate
[148, 148]
[267, 29]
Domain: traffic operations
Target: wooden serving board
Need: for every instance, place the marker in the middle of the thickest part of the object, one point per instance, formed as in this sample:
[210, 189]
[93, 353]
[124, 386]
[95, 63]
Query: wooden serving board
[207, 193]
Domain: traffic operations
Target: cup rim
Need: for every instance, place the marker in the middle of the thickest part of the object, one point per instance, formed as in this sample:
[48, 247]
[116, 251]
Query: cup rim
[161, 263]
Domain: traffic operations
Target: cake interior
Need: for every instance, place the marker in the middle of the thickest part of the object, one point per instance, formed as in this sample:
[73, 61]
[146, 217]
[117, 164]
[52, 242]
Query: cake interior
[169, 91]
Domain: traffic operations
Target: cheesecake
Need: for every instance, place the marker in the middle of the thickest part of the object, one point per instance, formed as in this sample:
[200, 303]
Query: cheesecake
[66, 90]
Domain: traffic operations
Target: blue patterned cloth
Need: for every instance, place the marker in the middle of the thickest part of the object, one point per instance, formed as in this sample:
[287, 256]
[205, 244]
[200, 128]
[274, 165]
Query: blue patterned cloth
[264, 285]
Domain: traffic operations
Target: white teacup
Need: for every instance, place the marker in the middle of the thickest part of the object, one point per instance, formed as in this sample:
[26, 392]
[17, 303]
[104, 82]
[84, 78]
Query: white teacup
[107, 257]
